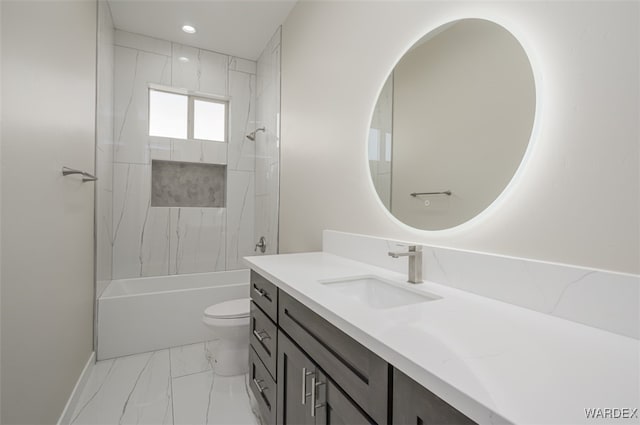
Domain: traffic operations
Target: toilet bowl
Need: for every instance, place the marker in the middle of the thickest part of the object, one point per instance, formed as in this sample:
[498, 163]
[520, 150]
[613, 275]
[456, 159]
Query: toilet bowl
[229, 322]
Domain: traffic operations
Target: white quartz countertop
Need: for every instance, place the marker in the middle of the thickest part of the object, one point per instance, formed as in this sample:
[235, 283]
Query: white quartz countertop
[493, 361]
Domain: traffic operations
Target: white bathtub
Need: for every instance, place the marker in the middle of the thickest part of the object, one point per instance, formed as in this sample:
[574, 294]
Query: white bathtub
[151, 313]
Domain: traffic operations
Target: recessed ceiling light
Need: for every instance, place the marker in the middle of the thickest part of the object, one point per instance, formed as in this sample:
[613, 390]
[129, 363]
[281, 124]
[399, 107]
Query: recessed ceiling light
[188, 29]
[183, 59]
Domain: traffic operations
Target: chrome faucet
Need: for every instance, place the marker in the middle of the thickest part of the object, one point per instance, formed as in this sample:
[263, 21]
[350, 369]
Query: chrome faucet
[262, 244]
[415, 262]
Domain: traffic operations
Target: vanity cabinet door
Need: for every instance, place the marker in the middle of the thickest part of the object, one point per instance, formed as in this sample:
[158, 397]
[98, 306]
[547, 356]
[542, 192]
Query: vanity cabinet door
[333, 407]
[295, 371]
[299, 403]
[414, 404]
[357, 370]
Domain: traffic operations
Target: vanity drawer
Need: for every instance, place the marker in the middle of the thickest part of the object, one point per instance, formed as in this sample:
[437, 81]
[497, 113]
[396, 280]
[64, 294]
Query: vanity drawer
[359, 372]
[265, 294]
[263, 387]
[264, 338]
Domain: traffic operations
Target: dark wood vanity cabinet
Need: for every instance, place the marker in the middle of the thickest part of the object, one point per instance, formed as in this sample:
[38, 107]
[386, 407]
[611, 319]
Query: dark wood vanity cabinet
[306, 395]
[263, 350]
[359, 372]
[335, 407]
[304, 370]
[265, 295]
[264, 338]
[294, 376]
[263, 386]
[414, 404]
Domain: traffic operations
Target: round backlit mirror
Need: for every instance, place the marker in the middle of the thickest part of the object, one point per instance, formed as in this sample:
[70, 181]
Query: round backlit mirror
[452, 124]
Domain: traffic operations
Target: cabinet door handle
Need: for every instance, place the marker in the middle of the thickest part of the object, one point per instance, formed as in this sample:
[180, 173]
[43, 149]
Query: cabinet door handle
[258, 386]
[260, 292]
[305, 394]
[315, 406]
[259, 335]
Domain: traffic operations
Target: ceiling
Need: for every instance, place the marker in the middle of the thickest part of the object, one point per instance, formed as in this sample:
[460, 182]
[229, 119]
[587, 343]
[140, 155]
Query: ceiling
[235, 27]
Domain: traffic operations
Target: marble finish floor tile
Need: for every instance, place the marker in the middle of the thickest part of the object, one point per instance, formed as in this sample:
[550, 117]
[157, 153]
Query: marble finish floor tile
[128, 390]
[194, 358]
[171, 386]
[205, 398]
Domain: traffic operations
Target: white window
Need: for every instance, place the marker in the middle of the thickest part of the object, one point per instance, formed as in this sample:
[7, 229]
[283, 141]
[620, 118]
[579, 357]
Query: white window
[168, 114]
[209, 120]
[185, 116]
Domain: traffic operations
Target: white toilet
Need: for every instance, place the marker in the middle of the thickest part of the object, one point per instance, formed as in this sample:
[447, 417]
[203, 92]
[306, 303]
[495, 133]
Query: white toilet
[229, 321]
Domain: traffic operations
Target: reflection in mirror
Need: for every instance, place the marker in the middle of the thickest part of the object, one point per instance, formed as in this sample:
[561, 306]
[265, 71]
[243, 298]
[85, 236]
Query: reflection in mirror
[456, 114]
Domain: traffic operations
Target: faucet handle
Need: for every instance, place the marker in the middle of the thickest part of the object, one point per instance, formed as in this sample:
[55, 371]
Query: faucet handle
[262, 244]
[410, 247]
[412, 251]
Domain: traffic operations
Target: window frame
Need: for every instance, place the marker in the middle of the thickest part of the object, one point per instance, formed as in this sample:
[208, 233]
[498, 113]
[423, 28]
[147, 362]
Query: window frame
[192, 96]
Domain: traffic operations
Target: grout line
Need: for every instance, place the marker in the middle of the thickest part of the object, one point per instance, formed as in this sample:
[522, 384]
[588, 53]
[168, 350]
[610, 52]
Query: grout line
[173, 405]
[141, 50]
[204, 347]
[194, 373]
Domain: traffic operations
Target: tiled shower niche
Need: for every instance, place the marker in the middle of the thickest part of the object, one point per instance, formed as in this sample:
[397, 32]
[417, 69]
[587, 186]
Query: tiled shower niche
[188, 184]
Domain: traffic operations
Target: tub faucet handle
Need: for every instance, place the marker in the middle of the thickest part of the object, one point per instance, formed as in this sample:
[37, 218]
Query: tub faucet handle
[262, 244]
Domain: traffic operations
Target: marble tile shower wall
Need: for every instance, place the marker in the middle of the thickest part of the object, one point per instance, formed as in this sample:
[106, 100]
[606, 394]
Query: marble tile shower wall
[268, 144]
[153, 241]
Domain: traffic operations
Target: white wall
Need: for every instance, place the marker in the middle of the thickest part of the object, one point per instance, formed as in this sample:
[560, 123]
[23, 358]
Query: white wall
[48, 121]
[576, 201]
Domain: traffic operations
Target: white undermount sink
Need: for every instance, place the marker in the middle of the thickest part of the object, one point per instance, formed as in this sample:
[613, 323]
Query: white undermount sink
[376, 292]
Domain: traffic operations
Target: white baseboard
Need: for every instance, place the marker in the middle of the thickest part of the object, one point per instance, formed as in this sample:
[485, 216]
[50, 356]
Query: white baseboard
[65, 417]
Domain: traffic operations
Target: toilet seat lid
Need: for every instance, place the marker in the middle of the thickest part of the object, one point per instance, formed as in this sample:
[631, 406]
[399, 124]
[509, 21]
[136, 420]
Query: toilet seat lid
[232, 309]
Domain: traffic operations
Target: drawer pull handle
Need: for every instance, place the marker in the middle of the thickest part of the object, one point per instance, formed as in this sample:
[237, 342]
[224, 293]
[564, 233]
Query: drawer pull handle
[260, 292]
[315, 405]
[259, 335]
[305, 394]
[258, 386]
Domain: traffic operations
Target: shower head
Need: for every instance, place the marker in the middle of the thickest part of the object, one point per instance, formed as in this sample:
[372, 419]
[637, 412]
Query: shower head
[252, 136]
